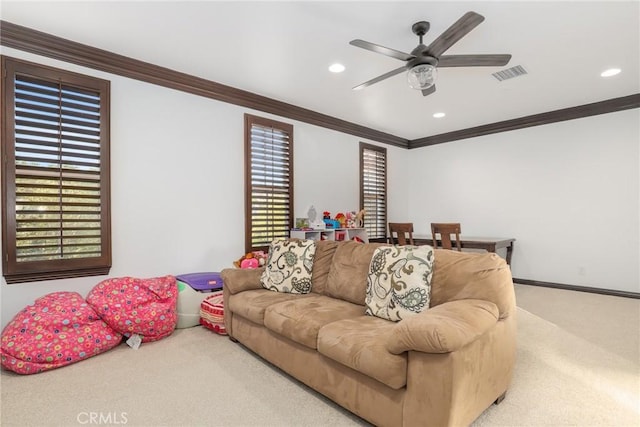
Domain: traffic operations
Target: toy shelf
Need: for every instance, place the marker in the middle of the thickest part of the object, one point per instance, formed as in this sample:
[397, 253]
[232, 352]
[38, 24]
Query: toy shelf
[331, 234]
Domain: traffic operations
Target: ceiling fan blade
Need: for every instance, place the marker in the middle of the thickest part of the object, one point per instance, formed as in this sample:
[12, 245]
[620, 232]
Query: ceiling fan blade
[473, 60]
[451, 35]
[381, 49]
[380, 78]
[429, 90]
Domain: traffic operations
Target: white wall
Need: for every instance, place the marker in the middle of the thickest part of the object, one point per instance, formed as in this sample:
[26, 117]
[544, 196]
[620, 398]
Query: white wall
[177, 182]
[568, 192]
[177, 189]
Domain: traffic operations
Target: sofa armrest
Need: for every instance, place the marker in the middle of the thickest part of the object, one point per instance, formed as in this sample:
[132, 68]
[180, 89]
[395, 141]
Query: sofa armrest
[444, 328]
[241, 279]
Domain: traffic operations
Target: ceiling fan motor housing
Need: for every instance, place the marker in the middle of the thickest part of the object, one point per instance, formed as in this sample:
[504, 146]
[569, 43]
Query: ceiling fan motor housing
[421, 57]
[420, 28]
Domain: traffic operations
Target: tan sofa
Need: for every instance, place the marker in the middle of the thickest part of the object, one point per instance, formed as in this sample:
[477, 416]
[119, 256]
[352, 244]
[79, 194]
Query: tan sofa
[441, 367]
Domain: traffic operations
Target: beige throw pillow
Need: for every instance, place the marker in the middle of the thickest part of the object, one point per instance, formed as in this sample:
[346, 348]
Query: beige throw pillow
[289, 266]
[399, 281]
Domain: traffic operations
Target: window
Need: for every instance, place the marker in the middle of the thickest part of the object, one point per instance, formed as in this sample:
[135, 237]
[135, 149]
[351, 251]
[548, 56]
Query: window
[268, 181]
[373, 190]
[55, 179]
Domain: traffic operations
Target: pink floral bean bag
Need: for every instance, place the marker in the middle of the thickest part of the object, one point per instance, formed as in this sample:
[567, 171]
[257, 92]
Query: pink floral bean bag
[58, 329]
[146, 307]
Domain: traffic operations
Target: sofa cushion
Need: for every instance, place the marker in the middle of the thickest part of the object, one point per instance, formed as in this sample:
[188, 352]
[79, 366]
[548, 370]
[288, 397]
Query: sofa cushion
[399, 281]
[289, 266]
[325, 249]
[301, 319]
[347, 278]
[252, 304]
[468, 275]
[236, 280]
[360, 344]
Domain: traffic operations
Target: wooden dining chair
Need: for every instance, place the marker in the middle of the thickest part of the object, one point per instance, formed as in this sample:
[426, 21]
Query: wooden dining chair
[446, 230]
[403, 233]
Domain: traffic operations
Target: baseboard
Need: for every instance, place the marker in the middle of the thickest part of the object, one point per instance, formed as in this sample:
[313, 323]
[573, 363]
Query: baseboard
[602, 291]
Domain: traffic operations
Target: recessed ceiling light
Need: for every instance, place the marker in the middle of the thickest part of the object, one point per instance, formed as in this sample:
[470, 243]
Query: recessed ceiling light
[439, 115]
[336, 68]
[610, 72]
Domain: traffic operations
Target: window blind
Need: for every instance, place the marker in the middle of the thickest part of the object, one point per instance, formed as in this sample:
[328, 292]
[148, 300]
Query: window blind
[271, 187]
[373, 189]
[56, 213]
[57, 161]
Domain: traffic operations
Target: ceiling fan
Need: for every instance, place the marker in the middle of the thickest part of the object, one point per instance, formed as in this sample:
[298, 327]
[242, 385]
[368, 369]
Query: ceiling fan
[423, 61]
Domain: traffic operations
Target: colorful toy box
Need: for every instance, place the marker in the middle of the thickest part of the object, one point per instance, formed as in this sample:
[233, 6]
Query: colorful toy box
[193, 288]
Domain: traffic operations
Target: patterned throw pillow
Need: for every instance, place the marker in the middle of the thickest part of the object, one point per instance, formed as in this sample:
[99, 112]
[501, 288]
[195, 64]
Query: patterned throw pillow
[289, 266]
[399, 281]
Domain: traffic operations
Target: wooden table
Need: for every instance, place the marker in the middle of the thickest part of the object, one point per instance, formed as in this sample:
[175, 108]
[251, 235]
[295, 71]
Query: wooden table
[489, 244]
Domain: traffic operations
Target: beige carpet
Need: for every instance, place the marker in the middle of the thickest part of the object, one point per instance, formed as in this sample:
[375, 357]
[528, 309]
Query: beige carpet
[196, 378]
[561, 379]
[606, 321]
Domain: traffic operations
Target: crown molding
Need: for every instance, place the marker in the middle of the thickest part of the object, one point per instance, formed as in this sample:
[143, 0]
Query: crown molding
[586, 110]
[40, 43]
[44, 44]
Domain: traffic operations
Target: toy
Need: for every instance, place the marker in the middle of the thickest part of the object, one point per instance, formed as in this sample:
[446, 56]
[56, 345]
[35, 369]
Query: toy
[249, 263]
[331, 223]
[359, 218]
[193, 288]
[350, 216]
[253, 259]
[342, 219]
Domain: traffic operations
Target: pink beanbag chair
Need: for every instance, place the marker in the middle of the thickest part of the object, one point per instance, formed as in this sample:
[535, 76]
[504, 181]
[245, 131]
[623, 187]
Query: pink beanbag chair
[58, 329]
[146, 307]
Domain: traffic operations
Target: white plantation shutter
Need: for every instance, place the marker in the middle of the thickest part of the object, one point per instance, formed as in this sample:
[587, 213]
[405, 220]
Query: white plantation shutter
[269, 182]
[373, 189]
[58, 223]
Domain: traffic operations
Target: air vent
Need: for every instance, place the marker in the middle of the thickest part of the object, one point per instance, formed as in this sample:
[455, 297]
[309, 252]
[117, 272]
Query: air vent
[510, 73]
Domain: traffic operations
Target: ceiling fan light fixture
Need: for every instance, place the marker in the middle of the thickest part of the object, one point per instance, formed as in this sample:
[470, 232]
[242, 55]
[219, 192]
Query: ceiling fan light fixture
[422, 76]
[610, 72]
[336, 68]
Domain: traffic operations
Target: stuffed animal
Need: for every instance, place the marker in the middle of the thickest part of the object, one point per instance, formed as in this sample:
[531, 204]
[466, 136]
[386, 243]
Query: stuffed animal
[253, 259]
[250, 263]
[359, 221]
[351, 219]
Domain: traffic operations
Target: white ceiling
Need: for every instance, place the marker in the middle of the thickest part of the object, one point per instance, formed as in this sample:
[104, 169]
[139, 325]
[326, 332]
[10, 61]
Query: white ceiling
[282, 50]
